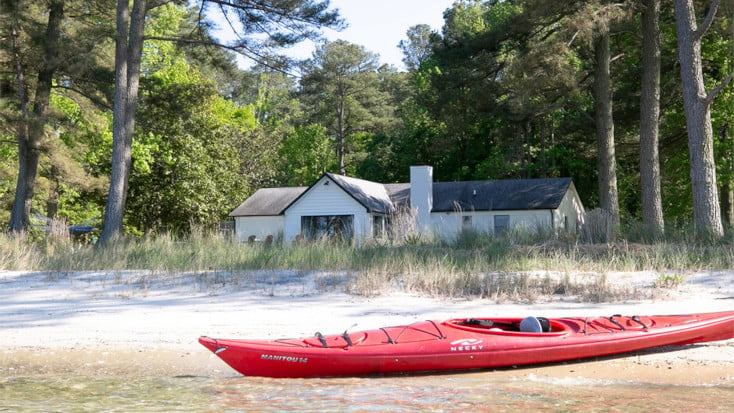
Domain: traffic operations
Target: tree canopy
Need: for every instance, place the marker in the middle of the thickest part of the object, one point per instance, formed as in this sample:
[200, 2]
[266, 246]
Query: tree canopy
[506, 89]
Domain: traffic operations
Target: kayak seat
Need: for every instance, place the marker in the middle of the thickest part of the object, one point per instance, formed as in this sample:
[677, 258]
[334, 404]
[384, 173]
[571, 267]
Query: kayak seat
[530, 325]
[535, 325]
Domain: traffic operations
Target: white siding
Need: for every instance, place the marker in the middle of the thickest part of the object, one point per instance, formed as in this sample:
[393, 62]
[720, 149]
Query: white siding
[569, 215]
[448, 224]
[326, 198]
[444, 225]
[260, 227]
[530, 220]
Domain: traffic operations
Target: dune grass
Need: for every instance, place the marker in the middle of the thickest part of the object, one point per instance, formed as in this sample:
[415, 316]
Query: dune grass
[472, 266]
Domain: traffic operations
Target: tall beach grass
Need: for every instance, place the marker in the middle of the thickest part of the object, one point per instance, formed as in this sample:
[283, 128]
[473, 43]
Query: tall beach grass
[474, 264]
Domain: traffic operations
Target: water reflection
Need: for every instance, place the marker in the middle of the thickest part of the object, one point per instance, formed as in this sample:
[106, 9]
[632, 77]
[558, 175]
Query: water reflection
[93, 394]
[471, 392]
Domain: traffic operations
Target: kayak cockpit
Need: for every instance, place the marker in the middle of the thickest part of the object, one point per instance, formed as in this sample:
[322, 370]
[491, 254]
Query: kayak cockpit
[529, 326]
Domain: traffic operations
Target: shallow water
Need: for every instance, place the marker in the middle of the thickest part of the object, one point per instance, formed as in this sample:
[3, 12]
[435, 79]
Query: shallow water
[472, 392]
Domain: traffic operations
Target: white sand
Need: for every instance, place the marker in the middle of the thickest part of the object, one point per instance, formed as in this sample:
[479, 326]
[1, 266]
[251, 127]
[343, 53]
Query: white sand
[137, 311]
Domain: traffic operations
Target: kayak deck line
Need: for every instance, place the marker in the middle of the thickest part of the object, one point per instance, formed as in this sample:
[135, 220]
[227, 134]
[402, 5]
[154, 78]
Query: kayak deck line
[217, 348]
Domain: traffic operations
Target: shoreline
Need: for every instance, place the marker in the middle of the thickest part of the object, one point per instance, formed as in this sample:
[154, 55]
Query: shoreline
[130, 323]
[690, 365]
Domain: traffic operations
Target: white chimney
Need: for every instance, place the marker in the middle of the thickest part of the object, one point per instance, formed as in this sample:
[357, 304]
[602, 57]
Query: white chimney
[421, 195]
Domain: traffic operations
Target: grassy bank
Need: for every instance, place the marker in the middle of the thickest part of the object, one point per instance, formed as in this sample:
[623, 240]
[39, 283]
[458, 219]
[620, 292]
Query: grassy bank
[473, 266]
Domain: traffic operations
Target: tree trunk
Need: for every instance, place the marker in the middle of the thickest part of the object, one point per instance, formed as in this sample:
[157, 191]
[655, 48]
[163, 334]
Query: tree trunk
[727, 192]
[341, 145]
[543, 150]
[128, 54]
[608, 197]
[52, 202]
[727, 202]
[652, 204]
[31, 126]
[696, 104]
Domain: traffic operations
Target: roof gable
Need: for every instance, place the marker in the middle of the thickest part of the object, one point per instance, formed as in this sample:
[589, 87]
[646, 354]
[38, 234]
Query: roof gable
[399, 195]
[372, 195]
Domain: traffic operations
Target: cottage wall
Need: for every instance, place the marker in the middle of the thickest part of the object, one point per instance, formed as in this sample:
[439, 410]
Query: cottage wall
[326, 198]
[260, 227]
[448, 225]
[569, 215]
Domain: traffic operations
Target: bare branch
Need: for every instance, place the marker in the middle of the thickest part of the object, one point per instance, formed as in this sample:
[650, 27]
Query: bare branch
[707, 21]
[570, 42]
[239, 49]
[95, 100]
[158, 3]
[265, 8]
[715, 91]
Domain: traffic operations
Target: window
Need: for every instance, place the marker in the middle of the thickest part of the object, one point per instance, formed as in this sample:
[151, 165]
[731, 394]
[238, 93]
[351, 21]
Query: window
[501, 224]
[379, 226]
[328, 227]
[466, 221]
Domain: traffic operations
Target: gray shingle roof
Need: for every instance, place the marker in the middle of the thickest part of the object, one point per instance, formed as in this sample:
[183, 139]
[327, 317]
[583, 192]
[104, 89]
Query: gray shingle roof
[268, 202]
[399, 194]
[505, 195]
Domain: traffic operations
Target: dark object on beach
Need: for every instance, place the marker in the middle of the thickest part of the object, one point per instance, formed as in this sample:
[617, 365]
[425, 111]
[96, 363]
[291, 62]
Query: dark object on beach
[77, 230]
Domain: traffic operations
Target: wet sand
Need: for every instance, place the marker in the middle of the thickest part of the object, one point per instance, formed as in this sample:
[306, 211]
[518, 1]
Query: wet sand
[693, 365]
[97, 324]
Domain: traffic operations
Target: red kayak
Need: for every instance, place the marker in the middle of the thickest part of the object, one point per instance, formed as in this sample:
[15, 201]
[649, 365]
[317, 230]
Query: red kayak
[466, 343]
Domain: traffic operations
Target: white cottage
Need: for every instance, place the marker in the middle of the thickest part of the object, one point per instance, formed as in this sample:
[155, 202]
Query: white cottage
[355, 209]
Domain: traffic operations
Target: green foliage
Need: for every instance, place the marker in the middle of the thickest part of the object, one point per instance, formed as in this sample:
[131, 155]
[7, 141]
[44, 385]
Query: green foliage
[63, 181]
[304, 155]
[418, 47]
[718, 48]
[347, 94]
[270, 93]
[467, 19]
[504, 88]
[501, 92]
[669, 280]
[8, 171]
[186, 151]
[184, 163]
[505, 93]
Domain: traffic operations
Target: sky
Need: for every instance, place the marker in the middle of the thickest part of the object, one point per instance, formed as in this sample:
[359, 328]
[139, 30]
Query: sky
[379, 25]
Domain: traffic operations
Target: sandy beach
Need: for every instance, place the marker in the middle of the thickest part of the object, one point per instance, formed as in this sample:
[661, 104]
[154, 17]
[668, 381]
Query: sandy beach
[139, 323]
